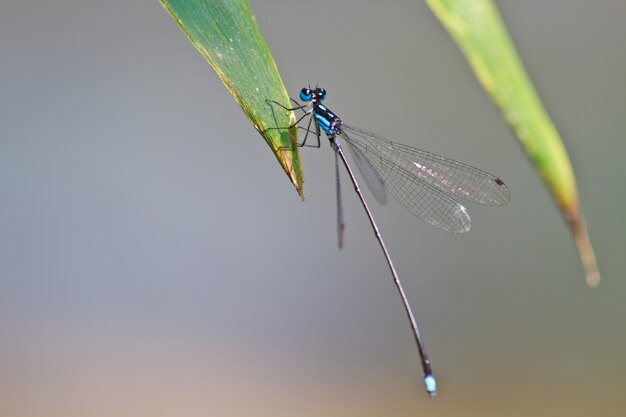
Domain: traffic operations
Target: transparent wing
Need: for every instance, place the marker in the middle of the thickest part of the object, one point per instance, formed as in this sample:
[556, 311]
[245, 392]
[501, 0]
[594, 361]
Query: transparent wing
[370, 175]
[419, 197]
[340, 224]
[449, 176]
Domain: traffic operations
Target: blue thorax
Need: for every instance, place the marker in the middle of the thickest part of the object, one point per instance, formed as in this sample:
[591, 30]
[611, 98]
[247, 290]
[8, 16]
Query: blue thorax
[326, 119]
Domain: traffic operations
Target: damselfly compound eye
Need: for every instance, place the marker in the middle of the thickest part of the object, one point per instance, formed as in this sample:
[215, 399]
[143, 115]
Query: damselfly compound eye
[305, 94]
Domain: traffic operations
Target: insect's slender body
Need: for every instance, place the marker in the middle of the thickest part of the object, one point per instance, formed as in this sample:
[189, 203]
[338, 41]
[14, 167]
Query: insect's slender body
[420, 181]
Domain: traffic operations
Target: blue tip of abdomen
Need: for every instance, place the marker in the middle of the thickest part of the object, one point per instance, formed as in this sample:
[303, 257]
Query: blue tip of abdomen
[431, 385]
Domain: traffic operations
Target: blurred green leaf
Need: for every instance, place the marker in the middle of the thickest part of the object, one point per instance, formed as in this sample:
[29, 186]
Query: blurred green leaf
[225, 32]
[477, 28]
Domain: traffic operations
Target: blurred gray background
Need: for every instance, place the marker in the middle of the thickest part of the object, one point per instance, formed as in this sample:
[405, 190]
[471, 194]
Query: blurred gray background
[155, 260]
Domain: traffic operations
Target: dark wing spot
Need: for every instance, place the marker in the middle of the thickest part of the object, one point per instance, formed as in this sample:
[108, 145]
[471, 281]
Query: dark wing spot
[499, 181]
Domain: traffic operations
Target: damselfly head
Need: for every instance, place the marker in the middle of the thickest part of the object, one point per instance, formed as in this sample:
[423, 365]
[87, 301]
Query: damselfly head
[308, 94]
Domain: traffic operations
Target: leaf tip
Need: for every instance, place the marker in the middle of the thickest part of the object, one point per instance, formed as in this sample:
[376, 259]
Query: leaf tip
[289, 159]
[585, 250]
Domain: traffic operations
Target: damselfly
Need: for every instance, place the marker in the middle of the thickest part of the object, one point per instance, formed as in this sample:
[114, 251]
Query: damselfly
[422, 182]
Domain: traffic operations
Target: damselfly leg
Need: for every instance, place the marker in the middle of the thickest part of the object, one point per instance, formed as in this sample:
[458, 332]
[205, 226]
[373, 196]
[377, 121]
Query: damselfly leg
[297, 123]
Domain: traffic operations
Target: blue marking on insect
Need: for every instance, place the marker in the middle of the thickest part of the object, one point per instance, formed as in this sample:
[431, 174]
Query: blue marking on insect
[306, 94]
[431, 385]
[325, 110]
[323, 122]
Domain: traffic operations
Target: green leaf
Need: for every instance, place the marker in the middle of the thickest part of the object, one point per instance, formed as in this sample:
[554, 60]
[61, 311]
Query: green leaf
[225, 32]
[477, 28]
